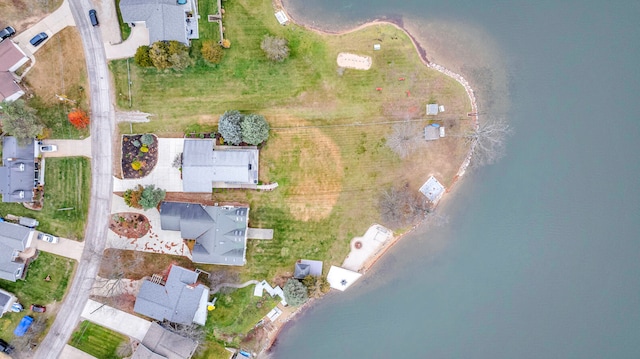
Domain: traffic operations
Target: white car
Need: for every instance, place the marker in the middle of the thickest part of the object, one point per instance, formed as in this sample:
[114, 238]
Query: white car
[48, 148]
[48, 238]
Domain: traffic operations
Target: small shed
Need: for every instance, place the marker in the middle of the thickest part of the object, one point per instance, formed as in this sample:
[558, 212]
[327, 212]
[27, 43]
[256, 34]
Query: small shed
[432, 109]
[432, 189]
[282, 17]
[305, 267]
[431, 133]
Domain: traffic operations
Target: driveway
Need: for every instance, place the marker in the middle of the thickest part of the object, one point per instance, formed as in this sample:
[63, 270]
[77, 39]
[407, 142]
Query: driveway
[139, 36]
[156, 241]
[70, 352]
[51, 24]
[164, 175]
[65, 248]
[70, 148]
[116, 320]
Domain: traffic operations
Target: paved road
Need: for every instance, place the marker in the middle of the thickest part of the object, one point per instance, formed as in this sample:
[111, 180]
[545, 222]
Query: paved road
[102, 129]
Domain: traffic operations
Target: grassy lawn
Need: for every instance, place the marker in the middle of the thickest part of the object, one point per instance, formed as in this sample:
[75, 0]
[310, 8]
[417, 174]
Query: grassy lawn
[67, 185]
[327, 147]
[35, 290]
[97, 341]
[125, 29]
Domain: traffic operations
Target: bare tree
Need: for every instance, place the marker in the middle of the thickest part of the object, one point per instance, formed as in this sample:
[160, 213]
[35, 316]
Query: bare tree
[275, 48]
[400, 206]
[404, 139]
[488, 142]
[192, 331]
[25, 344]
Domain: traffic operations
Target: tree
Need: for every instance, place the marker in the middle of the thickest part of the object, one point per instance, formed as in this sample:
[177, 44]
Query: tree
[255, 129]
[488, 142]
[400, 206]
[132, 197]
[78, 118]
[212, 51]
[192, 331]
[316, 286]
[20, 120]
[275, 48]
[151, 197]
[159, 55]
[178, 54]
[226, 43]
[295, 293]
[142, 57]
[230, 128]
[404, 139]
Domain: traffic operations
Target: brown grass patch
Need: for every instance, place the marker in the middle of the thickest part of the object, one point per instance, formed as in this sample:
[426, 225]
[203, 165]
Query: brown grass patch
[21, 14]
[60, 69]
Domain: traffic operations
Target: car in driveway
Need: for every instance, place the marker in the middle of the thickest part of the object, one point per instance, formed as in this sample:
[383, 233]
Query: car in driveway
[38, 308]
[38, 39]
[48, 148]
[6, 33]
[47, 238]
[5, 347]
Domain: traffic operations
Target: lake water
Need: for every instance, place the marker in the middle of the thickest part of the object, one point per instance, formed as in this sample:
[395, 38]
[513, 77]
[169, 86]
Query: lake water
[541, 255]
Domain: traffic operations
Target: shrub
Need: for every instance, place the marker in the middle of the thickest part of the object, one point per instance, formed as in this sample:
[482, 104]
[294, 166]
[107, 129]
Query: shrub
[255, 129]
[276, 48]
[136, 165]
[144, 149]
[226, 43]
[151, 197]
[78, 118]
[159, 55]
[230, 127]
[147, 139]
[136, 143]
[142, 57]
[295, 293]
[212, 51]
[132, 197]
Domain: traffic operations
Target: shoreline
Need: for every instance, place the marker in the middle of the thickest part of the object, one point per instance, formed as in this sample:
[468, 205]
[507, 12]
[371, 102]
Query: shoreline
[422, 54]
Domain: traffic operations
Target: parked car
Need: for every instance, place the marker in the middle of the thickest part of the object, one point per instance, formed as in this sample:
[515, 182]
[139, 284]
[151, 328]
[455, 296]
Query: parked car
[7, 32]
[5, 347]
[23, 326]
[38, 39]
[93, 16]
[38, 308]
[47, 238]
[48, 148]
[16, 307]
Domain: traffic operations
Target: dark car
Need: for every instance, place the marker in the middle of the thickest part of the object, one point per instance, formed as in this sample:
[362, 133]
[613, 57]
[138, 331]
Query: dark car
[38, 308]
[7, 32]
[38, 39]
[93, 16]
[5, 347]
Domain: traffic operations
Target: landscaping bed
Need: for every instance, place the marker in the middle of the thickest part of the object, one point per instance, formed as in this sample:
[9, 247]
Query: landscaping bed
[129, 224]
[139, 155]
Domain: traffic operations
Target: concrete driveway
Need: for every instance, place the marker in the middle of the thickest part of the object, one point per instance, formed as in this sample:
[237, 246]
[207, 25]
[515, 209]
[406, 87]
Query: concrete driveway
[139, 36]
[116, 320]
[164, 175]
[156, 241]
[70, 352]
[70, 148]
[65, 248]
[51, 24]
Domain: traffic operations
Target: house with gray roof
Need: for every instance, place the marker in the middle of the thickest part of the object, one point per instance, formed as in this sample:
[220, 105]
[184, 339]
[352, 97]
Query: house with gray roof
[160, 343]
[165, 19]
[6, 301]
[305, 267]
[11, 59]
[14, 239]
[18, 174]
[205, 167]
[179, 299]
[220, 232]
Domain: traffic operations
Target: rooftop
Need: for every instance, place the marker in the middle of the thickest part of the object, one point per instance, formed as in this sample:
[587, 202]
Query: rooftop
[165, 19]
[17, 174]
[432, 189]
[161, 343]
[13, 240]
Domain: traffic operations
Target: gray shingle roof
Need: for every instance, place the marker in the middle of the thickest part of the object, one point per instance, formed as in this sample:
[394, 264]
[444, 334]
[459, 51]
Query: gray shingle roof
[17, 174]
[202, 165]
[13, 238]
[305, 267]
[219, 232]
[165, 19]
[178, 300]
[165, 344]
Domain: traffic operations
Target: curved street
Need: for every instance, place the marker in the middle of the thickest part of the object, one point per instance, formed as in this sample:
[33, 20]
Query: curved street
[102, 129]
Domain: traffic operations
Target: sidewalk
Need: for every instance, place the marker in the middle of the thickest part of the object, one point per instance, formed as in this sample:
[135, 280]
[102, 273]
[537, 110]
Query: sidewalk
[116, 320]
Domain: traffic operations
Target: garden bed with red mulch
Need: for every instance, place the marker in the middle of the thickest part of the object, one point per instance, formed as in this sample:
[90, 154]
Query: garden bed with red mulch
[129, 224]
[139, 155]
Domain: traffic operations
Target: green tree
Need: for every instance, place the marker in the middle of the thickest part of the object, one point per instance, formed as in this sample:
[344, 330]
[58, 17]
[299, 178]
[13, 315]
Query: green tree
[159, 55]
[142, 56]
[151, 197]
[20, 120]
[132, 197]
[230, 126]
[275, 48]
[255, 129]
[212, 51]
[295, 293]
[316, 286]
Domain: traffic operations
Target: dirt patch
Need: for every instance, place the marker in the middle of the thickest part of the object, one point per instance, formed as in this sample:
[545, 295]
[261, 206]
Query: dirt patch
[21, 14]
[137, 265]
[60, 70]
[139, 155]
[129, 224]
[314, 191]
